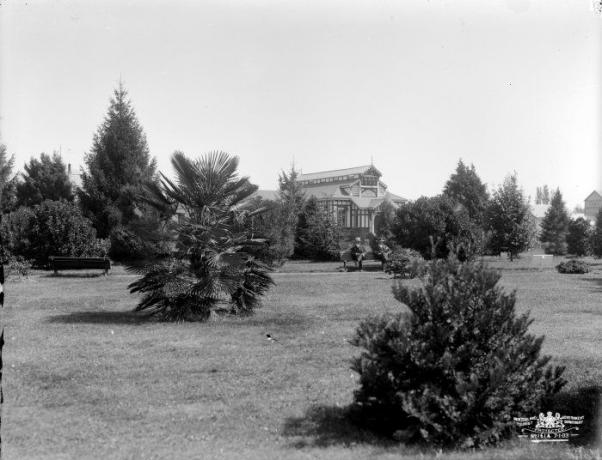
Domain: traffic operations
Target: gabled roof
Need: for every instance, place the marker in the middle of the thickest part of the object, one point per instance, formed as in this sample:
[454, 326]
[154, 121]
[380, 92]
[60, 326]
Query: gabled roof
[338, 172]
[324, 190]
[594, 195]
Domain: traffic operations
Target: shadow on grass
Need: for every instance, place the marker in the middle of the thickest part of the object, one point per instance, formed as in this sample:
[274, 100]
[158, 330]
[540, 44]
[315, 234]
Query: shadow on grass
[323, 426]
[596, 282]
[584, 401]
[100, 317]
[273, 323]
[74, 275]
[366, 268]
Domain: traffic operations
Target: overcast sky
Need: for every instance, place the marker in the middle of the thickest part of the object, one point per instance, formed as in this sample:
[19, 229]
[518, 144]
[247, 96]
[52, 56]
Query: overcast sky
[415, 85]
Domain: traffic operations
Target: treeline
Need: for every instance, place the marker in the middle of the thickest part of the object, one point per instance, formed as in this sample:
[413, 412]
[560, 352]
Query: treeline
[45, 214]
[473, 222]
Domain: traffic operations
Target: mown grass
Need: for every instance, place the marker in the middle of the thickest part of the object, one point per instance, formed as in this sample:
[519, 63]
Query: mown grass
[86, 378]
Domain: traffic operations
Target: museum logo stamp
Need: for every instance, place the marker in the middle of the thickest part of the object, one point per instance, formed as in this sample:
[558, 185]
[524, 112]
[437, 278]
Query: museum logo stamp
[549, 427]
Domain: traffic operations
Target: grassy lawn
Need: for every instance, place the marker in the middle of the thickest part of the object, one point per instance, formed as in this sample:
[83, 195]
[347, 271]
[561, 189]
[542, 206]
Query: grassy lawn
[86, 378]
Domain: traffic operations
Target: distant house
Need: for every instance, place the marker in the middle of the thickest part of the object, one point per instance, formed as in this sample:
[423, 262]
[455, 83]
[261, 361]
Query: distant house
[593, 203]
[353, 195]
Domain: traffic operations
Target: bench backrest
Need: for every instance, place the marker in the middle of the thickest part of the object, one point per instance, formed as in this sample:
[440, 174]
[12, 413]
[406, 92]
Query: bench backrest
[79, 262]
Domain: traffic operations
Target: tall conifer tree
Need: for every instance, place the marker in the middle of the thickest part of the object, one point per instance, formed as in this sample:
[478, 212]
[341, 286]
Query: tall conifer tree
[292, 199]
[555, 226]
[117, 166]
[465, 187]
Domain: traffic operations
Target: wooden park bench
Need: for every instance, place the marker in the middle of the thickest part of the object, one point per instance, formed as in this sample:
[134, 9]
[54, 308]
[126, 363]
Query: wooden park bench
[369, 256]
[79, 263]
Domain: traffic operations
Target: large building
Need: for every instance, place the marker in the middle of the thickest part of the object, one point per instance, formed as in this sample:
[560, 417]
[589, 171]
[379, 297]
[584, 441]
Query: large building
[593, 203]
[353, 195]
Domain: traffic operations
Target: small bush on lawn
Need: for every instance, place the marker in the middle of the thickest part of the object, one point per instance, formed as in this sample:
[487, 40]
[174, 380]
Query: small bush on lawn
[405, 263]
[458, 368]
[17, 267]
[573, 267]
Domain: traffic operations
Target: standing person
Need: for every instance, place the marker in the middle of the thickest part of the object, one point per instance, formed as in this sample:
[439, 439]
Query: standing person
[357, 252]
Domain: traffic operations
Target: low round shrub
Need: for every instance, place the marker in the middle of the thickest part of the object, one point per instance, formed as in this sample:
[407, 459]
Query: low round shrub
[405, 263]
[17, 267]
[458, 367]
[573, 267]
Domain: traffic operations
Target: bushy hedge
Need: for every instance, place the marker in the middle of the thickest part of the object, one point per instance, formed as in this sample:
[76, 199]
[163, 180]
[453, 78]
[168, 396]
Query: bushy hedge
[15, 230]
[17, 267]
[458, 368]
[50, 228]
[573, 267]
[405, 263]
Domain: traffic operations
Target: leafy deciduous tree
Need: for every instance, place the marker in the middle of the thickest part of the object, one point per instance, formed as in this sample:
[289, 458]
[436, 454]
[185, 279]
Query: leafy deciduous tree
[8, 181]
[509, 219]
[58, 228]
[438, 222]
[596, 237]
[578, 236]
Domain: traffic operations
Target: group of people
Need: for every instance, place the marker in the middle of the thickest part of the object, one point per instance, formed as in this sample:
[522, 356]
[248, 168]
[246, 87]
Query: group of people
[358, 251]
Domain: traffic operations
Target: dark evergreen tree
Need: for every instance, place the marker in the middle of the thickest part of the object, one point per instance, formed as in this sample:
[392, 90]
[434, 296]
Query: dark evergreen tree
[290, 190]
[117, 166]
[578, 237]
[384, 221]
[596, 238]
[318, 233]
[509, 219]
[8, 181]
[458, 367]
[44, 179]
[465, 187]
[291, 201]
[555, 226]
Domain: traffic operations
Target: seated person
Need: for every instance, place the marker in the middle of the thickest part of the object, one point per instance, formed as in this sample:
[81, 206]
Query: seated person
[357, 252]
[384, 252]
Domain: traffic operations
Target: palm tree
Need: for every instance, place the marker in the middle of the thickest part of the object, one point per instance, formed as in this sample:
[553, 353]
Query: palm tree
[208, 270]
